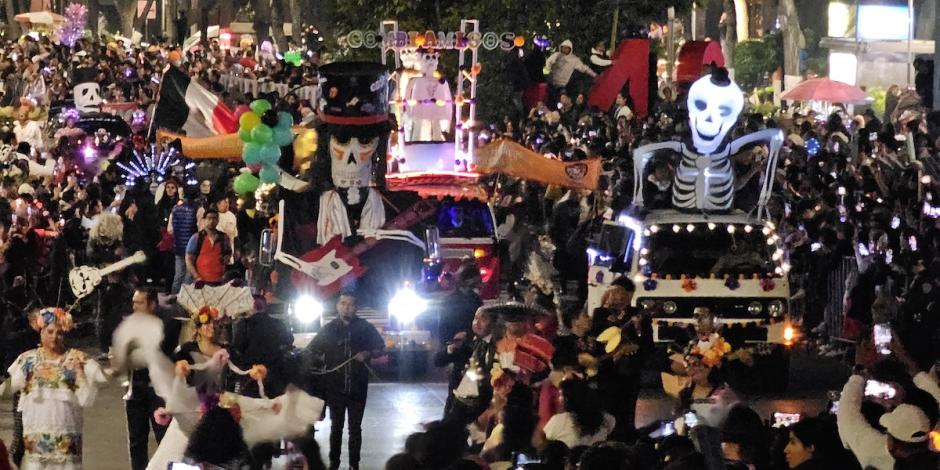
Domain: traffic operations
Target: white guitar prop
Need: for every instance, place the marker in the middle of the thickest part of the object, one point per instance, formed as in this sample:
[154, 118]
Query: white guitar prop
[84, 279]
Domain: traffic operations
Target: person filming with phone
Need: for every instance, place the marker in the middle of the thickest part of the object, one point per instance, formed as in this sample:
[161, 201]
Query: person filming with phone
[908, 397]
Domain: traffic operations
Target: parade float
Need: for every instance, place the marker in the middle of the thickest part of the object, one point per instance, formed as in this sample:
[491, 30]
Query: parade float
[697, 250]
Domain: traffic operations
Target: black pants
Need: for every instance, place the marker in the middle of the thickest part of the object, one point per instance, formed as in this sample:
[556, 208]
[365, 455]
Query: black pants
[140, 421]
[340, 406]
[621, 395]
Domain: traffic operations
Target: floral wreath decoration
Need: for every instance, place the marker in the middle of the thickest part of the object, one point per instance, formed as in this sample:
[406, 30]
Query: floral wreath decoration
[49, 315]
[712, 355]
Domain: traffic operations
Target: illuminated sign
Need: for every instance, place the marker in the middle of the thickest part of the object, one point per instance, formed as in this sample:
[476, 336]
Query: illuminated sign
[433, 40]
[883, 22]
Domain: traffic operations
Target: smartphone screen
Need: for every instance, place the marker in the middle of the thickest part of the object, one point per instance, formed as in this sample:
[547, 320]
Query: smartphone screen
[783, 420]
[181, 466]
[863, 250]
[523, 459]
[668, 428]
[815, 246]
[882, 333]
[874, 388]
[691, 420]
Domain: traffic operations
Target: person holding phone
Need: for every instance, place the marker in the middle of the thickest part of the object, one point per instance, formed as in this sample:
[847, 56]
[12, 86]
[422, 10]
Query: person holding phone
[906, 428]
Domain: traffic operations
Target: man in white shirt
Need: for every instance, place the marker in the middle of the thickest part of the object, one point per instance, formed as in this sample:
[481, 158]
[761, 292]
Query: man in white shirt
[27, 130]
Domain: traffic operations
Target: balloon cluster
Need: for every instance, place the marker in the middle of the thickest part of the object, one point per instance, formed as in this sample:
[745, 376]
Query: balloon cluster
[264, 132]
[246, 183]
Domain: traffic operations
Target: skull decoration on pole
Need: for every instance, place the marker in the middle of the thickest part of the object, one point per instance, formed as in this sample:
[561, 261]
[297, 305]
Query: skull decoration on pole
[86, 90]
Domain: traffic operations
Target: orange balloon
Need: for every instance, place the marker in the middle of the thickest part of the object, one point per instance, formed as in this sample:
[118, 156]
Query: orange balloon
[518, 41]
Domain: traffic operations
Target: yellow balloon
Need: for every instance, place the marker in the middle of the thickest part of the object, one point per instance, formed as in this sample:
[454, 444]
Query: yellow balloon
[249, 120]
[305, 146]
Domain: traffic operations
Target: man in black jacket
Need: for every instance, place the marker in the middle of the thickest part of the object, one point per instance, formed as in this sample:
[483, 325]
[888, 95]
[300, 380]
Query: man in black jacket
[262, 339]
[470, 391]
[141, 400]
[346, 344]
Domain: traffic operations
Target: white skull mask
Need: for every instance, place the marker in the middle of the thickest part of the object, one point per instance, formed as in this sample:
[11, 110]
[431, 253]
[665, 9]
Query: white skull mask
[409, 59]
[427, 62]
[351, 162]
[713, 111]
[87, 97]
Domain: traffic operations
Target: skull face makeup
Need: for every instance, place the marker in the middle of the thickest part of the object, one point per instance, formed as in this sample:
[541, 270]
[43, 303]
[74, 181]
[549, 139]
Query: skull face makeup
[427, 61]
[714, 105]
[351, 162]
[87, 97]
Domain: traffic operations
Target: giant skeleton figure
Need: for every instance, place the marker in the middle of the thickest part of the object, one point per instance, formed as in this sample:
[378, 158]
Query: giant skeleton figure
[350, 171]
[704, 178]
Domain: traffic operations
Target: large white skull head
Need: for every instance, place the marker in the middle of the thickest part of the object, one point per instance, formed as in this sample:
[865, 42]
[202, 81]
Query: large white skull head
[714, 105]
[351, 162]
[87, 97]
[427, 61]
[409, 59]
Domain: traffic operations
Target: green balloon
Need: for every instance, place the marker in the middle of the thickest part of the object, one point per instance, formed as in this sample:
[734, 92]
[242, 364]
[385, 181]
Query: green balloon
[293, 57]
[262, 134]
[251, 153]
[284, 120]
[270, 154]
[283, 137]
[244, 135]
[260, 107]
[269, 174]
[246, 183]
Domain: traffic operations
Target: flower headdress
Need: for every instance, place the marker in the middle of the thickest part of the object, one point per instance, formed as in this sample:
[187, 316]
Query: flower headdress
[205, 315]
[49, 315]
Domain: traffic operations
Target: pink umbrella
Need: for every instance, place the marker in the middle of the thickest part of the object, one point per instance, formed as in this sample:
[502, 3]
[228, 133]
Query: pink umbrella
[825, 90]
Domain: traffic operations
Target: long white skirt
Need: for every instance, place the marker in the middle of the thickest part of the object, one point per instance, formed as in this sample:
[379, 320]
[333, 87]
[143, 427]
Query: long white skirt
[171, 448]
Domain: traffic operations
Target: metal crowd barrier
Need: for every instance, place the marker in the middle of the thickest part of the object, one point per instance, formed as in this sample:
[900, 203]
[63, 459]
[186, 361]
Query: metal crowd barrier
[255, 86]
[845, 272]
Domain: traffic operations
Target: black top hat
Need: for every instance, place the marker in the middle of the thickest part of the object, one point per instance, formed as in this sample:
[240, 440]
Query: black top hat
[354, 93]
[84, 75]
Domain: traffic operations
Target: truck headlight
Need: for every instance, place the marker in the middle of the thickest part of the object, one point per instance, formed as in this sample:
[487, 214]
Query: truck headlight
[406, 305]
[669, 307]
[307, 309]
[647, 303]
[754, 308]
[775, 308]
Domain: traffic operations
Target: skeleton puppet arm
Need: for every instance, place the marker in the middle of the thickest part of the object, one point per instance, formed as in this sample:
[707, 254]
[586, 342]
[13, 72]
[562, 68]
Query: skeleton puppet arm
[773, 138]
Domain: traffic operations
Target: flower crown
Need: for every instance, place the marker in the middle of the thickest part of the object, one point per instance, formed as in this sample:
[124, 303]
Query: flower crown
[49, 315]
[206, 314]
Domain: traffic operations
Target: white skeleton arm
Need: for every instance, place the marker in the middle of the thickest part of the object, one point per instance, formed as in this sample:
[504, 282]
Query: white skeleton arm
[773, 138]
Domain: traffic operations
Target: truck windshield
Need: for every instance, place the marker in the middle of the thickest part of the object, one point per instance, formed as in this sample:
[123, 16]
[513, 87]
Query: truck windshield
[464, 219]
[703, 252]
[612, 247]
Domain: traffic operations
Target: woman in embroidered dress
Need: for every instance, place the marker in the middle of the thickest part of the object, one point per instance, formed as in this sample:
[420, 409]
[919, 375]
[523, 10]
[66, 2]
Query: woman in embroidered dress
[55, 384]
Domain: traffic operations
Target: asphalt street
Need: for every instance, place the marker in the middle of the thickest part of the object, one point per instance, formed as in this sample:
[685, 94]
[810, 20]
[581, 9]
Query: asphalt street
[396, 409]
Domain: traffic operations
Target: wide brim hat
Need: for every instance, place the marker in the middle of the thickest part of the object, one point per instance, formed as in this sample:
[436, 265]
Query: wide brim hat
[354, 93]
